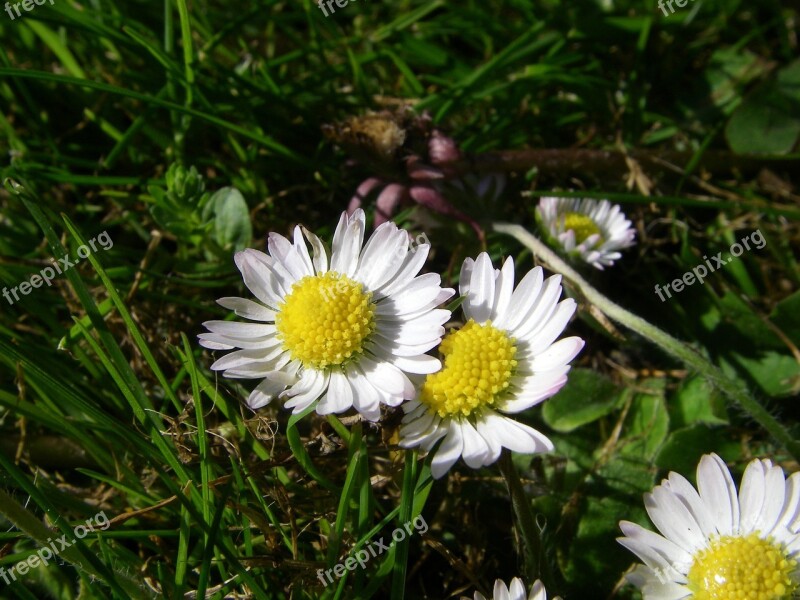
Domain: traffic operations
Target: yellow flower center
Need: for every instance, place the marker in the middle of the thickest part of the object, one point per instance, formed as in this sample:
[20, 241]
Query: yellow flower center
[742, 568]
[325, 319]
[478, 365]
[582, 225]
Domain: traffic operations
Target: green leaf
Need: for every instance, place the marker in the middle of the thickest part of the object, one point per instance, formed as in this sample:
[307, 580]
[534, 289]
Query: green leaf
[697, 401]
[775, 373]
[684, 447]
[786, 317]
[647, 423]
[232, 227]
[765, 123]
[587, 397]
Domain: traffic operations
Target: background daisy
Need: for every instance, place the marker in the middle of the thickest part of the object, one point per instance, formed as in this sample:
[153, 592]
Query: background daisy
[516, 591]
[503, 360]
[591, 229]
[347, 332]
[715, 544]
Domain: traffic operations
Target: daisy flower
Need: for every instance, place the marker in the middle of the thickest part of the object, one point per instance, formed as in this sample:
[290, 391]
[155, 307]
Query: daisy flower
[503, 361]
[715, 545]
[346, 332]
[594, 231]
[516, 591]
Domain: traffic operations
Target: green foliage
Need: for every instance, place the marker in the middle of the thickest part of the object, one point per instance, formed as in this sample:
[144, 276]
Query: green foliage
[218, 221]
[190, 131]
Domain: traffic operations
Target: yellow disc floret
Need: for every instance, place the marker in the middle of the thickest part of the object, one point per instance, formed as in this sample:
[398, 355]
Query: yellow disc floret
[478, 365]
[742, 568]
[325, 319]
[582, 225]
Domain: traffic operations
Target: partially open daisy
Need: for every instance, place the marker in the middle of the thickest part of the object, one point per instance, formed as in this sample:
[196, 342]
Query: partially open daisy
[503, 360]
[590, 229]
[715, 545]
[516, 591]
[347, 333]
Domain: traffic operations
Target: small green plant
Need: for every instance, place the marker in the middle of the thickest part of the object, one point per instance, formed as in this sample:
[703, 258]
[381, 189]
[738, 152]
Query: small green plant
[218, 222]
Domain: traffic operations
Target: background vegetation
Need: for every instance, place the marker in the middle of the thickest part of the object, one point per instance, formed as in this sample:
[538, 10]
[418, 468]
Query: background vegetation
[106, 400]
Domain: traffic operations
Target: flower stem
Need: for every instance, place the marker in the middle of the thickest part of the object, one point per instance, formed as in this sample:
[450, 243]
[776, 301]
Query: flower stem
[522, 509]
[680, 350]
[406, 509]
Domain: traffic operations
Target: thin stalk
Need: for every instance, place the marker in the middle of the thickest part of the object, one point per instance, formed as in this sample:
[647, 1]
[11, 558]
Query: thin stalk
[526, 524]
[406, 510]
[673, 346]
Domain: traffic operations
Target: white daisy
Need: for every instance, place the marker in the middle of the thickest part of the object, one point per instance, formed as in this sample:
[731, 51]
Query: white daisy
[502, 361]
[516, 591]
[594, 231]
[347, 333]
[715, 545]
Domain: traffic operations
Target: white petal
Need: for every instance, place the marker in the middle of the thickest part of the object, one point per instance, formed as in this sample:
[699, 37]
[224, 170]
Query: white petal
[417, 295]
[541, 338]
[514, 435]
[310, 387]
[366, 398]
[246, 357]
[302, 251]
[537, 591]
[286, 254]
[541, 387]
[258, 343]
[236, 329]
[259, 279]
[504, 287]
[347, 244]
[339, 397]
[673, 554]
[211, 345]
[718, 491]
[557, 355]
[421, 364]
[320, 260]
[494, 444]
[248, 309]
[790, 515]
[775, 490]
[475, 448]
[384, 376]
[465, 276]
[412, 264]
[383, 255]
[478, 304]
[684, 490]
[447, 454]
[673, 519]
[260, 369]
[542, 309]
[264, 393]
[522, 300]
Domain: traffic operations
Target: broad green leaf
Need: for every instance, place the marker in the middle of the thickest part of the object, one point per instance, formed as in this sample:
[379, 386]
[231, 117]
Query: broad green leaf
[587, 397]
[777, 374]
[684, 447]
[697, 401]
[786, 317]
[232, 227]
[766, 122]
